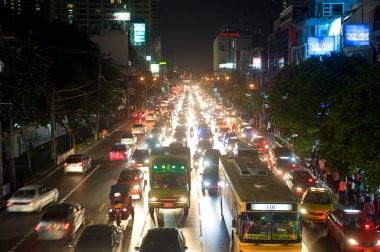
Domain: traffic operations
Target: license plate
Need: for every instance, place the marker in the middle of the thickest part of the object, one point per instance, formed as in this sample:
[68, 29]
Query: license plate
[168, 204]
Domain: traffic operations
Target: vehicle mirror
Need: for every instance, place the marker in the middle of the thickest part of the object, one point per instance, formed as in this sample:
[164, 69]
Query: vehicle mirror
[71, 245]
[234, 223]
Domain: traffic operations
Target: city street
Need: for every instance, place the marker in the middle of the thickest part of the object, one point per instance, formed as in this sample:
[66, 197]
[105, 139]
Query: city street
[203, 228]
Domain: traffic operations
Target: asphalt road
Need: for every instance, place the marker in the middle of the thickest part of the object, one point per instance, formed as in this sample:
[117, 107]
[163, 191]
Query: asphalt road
[203, 228]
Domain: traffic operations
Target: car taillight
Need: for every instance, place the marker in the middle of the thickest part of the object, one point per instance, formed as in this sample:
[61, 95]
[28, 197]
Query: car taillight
[125, 153]
[293, 165]
[30, 203]
[65, 164]
[136, 178]
[37, 228]
[9, 204]
[81, 163]
[66, 226]
[310, 180]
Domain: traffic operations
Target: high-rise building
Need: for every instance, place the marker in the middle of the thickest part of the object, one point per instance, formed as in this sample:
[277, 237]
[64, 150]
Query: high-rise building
[42, 9]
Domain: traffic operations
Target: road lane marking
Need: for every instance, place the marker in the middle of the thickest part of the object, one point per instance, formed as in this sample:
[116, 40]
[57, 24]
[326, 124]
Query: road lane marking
[26, 236]
[143, 228]
[101, 207]
[200, 228]
[199, 208]
[78, 185]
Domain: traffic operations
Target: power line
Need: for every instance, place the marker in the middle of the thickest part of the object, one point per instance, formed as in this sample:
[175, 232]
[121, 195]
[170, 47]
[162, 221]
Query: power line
[73, 89]
[73, 97]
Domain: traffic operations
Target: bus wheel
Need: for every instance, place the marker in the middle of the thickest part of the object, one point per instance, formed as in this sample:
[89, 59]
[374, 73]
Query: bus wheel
[151, 211]
[186, 211]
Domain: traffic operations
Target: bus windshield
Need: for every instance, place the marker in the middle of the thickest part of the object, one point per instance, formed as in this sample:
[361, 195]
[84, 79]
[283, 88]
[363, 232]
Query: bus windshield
[169, 180]
[270, 227]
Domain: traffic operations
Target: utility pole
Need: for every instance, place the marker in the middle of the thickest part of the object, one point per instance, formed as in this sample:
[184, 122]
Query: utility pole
[1, 160]
[97, 119]
[53, 146]
[11, 151]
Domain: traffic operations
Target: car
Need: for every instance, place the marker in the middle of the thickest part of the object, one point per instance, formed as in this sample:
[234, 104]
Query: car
[120, 151]
[32, 198]
[151, 143]
[230, 144]
[128, 139]
[242, 126]
[281, 160]
[100, 237]
[77, 163]
[209, 166]
[261, 143]
[180, 136]
[203, 145]
[139, 129]
[163, 239]
[220, 122]
[205, 133]
[61, 221]
[182, 121]
[134, 178]
[248, 132]
[157, 133]
[180, 128]
[222, 131]
[353, 230]
[244, 149]
[140, 158]
[298, 180]
[315, 204]
[150, 117]
[229, 112]
[227, 135]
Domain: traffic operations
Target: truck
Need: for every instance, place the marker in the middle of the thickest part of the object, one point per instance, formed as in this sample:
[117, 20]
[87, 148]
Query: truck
[169, 178]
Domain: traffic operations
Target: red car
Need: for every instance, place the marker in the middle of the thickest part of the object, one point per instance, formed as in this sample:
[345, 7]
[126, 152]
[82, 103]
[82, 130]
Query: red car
[120, 151]
[353, 230]
[261, 143]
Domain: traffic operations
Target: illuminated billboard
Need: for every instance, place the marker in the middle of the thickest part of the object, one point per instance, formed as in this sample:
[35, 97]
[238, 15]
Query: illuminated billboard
[356, 35]
[320, 45]
[155, 68]
[139, 33]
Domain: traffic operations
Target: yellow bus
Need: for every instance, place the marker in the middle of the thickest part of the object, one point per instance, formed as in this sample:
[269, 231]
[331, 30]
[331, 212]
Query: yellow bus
[260, 212]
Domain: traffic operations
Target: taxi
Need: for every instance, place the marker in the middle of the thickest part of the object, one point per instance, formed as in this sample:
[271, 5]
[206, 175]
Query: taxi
[353, 230]
[315, 204]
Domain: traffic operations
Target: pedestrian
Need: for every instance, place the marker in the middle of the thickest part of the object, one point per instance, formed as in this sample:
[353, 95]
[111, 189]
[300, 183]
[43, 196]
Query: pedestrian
[348, 189]
[335, 177]
[104, 133]
[342, 190]
[376, 205]
[369, 208]
[361, 201]
[358, 175]
[351, 190]
[43, 151]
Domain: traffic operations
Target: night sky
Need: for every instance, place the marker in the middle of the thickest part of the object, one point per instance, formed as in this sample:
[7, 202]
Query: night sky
[188, 27]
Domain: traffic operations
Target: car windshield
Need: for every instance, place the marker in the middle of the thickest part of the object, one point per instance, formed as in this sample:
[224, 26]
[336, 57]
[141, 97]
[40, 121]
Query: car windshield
[127, 136]
[25, 193]
[139, 154]
[155, 245]
[118, 148]
[356, 222]
[317, 198]
[283, 152]
[94, 242]
[73, 160]
[247, 153]
[169, 180]
[57, 212]
[128, 176]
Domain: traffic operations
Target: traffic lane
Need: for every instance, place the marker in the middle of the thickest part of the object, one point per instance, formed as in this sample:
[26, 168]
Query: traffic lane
[93, 195]
[314, 237]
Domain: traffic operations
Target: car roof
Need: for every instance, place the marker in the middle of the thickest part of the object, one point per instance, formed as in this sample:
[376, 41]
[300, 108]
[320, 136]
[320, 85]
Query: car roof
[29, 187]
[162, 232]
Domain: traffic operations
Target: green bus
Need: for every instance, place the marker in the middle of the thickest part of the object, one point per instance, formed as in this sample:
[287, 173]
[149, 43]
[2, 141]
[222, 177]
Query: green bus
[169, 178]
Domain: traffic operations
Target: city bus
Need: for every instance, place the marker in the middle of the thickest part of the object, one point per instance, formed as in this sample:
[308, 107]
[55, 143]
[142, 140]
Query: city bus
[260, 212]
[169, 178]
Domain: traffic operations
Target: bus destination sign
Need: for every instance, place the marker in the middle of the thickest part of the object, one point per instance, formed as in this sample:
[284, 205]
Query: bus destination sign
[269, 207]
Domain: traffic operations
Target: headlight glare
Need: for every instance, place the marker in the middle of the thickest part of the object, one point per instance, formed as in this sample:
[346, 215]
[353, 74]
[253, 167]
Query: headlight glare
[352, 241]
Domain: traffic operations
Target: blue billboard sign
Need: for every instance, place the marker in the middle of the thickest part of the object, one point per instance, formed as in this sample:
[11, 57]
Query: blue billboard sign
[320, 45]
[139, 33]
[356, 35]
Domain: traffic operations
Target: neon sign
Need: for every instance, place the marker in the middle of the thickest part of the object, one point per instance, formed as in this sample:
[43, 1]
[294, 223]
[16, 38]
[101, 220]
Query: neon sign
[320, 45]
[356, 35]
[229, 34]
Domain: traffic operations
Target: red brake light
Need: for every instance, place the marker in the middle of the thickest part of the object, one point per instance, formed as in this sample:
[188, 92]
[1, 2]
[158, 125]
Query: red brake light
[293, 165]
[81, 163]
[37, 228]
[310, 180]
[66, 226]
[30, 203]
[136, 178]
[9, 204]
[65, 164]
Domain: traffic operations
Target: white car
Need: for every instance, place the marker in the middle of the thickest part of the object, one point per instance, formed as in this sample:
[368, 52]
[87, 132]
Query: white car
[77, 163]
[139, 129]
[150, 117]
[32, 198]
[128, 139]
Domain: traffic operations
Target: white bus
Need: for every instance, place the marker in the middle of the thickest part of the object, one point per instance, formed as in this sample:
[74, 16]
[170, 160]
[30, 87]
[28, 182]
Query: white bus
[260, 212]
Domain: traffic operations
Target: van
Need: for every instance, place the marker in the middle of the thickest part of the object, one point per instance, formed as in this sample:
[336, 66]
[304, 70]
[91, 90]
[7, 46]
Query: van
[245, 149]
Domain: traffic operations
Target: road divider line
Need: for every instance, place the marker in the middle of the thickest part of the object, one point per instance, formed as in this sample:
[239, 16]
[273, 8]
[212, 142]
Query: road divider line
[78, 185]
[143, 228]
[199, 208]
[200, 228]
[100, 209]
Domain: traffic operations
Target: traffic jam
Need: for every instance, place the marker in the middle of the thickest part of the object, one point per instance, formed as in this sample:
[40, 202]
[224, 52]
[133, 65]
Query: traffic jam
[182, 135]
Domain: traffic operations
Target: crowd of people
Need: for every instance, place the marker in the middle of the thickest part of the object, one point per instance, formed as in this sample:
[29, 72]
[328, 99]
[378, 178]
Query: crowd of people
[352, 190]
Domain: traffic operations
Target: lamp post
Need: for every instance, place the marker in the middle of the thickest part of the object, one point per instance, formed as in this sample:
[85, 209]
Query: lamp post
[146, 92]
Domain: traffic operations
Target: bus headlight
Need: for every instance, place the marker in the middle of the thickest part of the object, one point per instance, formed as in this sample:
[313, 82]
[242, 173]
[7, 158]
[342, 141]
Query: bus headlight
[352, 241]
[153, 199]
[183, 199]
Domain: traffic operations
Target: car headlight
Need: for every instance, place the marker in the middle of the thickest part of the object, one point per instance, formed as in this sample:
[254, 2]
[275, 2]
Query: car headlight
[303, 211]
[183, 199]
[201, 138]
[184, 139]
[293, 159]
[146, 145]
[279, 171]
[150, 136]
[352, 241]
[266, 146]
[136, 187]
[229, 148]
[174, 139]
[133, 161]
[146, 161]
[153, 199]
[199, 150]
[298, 189]
[206, 183]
